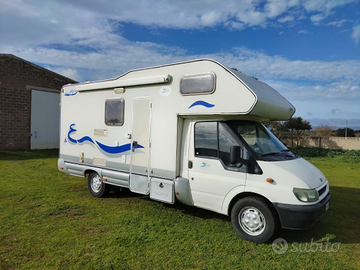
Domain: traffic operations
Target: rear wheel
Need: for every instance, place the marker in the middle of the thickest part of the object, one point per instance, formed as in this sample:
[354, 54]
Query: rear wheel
[96, 186]
[253, 220]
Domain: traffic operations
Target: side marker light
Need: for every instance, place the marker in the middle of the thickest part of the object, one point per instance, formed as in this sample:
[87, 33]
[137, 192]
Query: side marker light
[269, 180]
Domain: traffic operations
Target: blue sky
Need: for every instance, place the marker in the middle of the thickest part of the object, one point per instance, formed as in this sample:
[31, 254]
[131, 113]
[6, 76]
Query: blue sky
[308, 50]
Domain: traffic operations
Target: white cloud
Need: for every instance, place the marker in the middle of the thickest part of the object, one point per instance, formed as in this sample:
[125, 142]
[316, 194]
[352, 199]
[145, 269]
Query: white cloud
[324, 6]
[67, 72]
[274, 8]
[90, 44]
[317, 18]
[356, 33]
[286, 19]
[62, 19]
[303, 32]
[338, 23]
[235, 25]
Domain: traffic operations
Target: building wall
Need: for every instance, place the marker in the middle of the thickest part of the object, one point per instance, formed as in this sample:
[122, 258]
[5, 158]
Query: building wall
[349, 143]
[17, 78]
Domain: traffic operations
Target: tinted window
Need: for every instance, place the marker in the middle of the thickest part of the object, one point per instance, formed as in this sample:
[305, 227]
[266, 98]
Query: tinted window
[114, 112]
[226, 140]
[206, 139]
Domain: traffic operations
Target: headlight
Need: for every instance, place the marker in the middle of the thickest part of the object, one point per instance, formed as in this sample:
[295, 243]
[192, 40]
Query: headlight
[306, 195]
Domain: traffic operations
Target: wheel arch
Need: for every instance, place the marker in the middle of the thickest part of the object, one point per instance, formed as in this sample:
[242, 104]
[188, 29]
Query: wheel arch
[88, 170]
[251, 194]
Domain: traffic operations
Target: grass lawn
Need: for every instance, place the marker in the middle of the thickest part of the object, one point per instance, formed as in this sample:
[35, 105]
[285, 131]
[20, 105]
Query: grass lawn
[49, 220]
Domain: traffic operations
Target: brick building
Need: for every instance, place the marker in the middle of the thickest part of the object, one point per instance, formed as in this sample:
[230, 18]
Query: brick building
[29, 98]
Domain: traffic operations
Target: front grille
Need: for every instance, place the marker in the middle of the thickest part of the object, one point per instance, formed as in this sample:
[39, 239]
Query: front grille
[321, 191]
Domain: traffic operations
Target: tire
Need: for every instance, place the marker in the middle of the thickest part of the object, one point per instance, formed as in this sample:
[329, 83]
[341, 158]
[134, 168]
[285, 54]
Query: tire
[96, 186]
[253, 220]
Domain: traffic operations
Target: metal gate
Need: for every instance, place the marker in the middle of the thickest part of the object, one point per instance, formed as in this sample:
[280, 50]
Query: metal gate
[45, 116]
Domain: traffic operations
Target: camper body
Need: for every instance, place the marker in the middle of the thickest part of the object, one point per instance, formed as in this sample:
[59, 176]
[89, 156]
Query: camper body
[191, 132]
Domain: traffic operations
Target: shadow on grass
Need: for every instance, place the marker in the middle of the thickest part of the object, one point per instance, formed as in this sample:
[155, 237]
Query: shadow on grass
[186, 209]
[197, 212]
[31, 154]
[120, 193]
[339, 224]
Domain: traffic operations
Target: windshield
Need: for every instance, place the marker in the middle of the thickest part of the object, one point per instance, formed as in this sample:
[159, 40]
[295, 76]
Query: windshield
[258, 137]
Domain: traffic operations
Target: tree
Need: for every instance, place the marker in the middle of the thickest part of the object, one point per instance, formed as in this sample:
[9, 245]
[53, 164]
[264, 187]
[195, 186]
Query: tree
[324, 131]
[298, 125]
[349, 133]
[276, 127]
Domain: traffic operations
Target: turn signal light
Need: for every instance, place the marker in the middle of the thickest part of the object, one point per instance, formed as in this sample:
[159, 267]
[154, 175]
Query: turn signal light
[269, 180]
[61, 168]
[104, 179]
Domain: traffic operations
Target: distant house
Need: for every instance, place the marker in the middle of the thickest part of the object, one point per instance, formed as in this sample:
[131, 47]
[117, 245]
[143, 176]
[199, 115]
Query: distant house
[29, 105]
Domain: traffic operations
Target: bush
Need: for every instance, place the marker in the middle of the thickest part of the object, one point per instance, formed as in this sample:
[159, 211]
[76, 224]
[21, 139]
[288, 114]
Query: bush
[347, 156]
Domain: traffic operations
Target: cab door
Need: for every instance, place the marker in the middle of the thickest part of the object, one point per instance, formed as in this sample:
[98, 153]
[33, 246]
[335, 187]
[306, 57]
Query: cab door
[210, 173]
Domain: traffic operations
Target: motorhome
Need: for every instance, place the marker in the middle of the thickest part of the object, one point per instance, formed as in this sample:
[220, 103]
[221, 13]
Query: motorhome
[192, 132]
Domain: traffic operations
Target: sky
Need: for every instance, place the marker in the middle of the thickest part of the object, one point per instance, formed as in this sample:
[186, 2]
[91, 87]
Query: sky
[308, 50]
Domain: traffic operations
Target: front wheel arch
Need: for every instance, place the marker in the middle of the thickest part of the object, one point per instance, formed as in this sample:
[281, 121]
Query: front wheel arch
[261, 210]
[249, 194]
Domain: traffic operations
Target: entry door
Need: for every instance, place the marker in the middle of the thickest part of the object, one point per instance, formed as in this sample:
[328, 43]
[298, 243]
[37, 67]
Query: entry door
[140, 155]
[211, 176]
[45, 114]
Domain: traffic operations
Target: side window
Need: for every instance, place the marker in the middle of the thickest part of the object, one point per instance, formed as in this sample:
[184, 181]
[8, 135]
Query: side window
[206, 142]
[226, 140]
[114, 112]
[198, 84]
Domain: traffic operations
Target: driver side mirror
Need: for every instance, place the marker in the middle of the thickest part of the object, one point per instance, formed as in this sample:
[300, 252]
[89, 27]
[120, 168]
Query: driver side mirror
[235, 156]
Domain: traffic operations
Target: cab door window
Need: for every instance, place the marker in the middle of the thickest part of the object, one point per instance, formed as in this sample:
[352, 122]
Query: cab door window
[206, 141]
[226, 140]
[214, 140]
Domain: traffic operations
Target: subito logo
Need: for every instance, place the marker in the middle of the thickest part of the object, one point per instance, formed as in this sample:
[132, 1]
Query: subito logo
[280, 246]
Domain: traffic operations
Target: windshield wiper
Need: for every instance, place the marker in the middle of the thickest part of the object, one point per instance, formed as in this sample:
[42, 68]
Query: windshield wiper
[270, 154]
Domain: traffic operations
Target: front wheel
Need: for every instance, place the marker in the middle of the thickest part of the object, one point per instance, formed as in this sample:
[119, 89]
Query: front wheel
[253, 220]
[96, 186]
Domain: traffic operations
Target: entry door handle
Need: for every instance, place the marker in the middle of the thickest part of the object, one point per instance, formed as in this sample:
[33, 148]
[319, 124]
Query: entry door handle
[135, 144]
[190, 164]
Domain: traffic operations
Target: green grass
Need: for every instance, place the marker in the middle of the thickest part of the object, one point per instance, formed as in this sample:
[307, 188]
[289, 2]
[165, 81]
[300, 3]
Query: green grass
[48, 220]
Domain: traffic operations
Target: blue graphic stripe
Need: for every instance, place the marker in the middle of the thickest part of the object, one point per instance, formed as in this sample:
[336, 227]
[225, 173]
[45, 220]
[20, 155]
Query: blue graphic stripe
[84, 139]
[116, 149]
[71, 131]
[201, 103]
[105, 148]
[71, 94]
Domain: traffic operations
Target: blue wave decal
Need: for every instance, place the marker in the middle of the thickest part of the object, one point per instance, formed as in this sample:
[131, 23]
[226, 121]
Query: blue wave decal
[84, 139]
[116, 149]
[72, 93]
[201, 103]
[72, 129]
[105, 148]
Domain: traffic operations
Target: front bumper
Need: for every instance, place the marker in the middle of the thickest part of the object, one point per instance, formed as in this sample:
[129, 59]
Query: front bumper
[298, 217]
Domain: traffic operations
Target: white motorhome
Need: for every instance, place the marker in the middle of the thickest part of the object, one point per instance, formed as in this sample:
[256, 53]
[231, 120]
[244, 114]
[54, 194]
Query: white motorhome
[191, 132]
